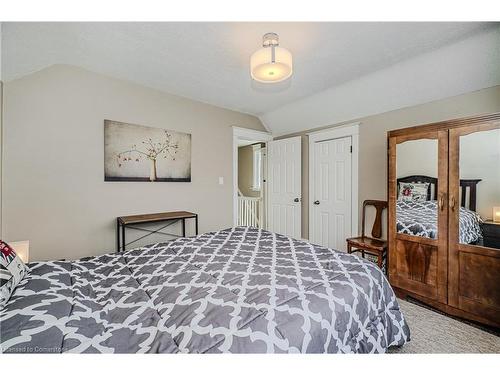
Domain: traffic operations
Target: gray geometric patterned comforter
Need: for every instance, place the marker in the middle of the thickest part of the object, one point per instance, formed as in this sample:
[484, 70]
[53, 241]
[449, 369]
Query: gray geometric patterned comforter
[419, 218]
[241, 290]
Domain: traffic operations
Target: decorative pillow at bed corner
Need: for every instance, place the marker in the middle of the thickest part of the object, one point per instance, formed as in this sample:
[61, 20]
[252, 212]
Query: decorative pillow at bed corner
[12, 271]
[413, 191]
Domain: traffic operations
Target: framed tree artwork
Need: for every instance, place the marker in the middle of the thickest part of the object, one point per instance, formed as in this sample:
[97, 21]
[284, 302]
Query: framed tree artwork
[142, 153]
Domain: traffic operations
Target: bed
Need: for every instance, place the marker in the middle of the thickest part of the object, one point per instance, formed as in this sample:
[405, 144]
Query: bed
[240, 290]
[419, 218]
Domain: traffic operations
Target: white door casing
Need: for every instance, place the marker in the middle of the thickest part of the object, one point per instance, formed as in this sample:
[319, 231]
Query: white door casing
[331, 214]
[333, 183]
[284, 163]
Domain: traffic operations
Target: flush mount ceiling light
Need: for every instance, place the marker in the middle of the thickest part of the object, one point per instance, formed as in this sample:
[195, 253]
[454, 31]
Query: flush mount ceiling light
[271, 63]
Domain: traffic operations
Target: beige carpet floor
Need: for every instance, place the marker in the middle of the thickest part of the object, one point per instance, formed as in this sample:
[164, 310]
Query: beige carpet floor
[432, 332]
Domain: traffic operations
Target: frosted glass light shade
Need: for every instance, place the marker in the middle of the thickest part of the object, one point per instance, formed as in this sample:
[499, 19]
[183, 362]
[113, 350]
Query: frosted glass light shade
[264, 70]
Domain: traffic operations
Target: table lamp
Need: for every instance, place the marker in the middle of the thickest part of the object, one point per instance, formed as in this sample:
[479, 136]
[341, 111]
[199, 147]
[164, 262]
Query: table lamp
[22, 248]
[496, 214]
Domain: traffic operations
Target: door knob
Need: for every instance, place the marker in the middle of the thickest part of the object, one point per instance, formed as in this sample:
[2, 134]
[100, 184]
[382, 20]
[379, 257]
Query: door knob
[296, 200]
[316, 202]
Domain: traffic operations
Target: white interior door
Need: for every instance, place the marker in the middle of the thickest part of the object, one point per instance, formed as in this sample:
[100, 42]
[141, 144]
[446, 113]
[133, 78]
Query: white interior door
[330, 211]
[284, 186]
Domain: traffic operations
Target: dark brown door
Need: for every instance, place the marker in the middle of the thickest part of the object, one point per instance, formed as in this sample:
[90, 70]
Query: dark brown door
[418, 238]
[474, 191]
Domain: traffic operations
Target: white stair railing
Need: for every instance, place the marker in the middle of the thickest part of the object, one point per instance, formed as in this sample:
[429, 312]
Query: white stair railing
[250, 211]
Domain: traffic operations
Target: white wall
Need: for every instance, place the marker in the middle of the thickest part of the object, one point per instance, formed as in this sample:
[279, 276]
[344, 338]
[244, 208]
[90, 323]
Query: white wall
[417, 157]
[459, 68]
[480, 158]
[1, 25]
[54, 189]
[245, 171]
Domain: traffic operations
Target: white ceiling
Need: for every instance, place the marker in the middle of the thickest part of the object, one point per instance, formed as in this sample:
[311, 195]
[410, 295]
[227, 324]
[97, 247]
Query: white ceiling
[209, 62]
[465, 66]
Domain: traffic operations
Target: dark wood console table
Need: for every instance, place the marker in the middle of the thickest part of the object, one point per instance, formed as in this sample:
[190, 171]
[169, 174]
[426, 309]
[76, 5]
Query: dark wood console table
[123, 222]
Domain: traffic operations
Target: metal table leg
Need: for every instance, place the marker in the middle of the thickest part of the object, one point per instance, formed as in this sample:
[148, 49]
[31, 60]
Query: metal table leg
[117, 235]
[123, 237]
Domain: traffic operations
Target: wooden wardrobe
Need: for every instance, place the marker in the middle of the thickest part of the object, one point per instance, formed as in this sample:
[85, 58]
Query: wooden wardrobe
[444, 269]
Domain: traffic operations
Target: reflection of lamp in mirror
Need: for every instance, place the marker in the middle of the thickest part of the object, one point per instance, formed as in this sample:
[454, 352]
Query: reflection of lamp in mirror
[496, 214]
[22, 249]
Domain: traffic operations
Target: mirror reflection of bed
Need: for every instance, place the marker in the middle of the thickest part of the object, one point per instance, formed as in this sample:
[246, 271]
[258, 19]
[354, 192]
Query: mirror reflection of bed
[418, 217]
[417, 201]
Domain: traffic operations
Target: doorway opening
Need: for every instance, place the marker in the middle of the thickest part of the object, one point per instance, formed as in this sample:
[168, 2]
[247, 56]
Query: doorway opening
[249, 177]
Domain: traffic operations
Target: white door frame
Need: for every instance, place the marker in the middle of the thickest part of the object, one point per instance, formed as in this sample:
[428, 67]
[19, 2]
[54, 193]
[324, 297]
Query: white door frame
[247, 134]
[348, 130]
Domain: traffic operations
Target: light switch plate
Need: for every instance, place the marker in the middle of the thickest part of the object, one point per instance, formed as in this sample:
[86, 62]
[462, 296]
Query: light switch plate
[221, 180]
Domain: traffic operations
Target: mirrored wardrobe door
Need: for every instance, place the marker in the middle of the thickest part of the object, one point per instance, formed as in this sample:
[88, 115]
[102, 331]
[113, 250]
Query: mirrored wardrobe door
[417, 184]
[418, 215]
[474, 227]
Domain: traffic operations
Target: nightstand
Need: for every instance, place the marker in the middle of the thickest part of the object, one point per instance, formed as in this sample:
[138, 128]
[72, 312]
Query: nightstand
[491, 234]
